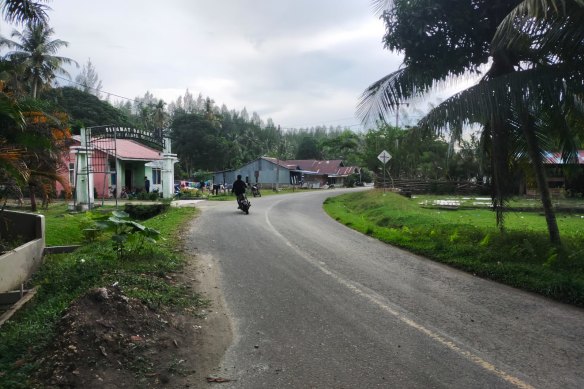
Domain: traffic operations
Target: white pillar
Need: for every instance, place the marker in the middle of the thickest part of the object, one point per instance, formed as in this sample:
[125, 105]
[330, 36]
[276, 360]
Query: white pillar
[83, 189]
[119, 173]
[168, 161]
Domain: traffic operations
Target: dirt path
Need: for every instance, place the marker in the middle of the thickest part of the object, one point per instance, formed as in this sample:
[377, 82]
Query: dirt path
[215, 334]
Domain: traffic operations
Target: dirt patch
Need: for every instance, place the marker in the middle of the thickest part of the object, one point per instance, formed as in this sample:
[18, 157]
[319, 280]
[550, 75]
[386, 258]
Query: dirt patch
[108, 340]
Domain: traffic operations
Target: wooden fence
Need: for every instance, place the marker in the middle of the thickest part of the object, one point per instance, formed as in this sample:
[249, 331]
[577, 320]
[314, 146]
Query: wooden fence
[421, 186]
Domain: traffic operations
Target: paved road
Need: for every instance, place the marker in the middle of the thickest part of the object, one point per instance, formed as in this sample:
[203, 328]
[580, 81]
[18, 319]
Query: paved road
[317, 305]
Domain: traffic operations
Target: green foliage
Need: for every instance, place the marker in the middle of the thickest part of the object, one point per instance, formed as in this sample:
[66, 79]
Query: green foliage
[308, 149]
[62, 278]
[145, 211]
[34, 56]
[527, 102]
[86, 108]
[415, 154]
[152, 196]
[127, 235]
[452, 47]
[87, 224]
[351, 180]
[469, 240]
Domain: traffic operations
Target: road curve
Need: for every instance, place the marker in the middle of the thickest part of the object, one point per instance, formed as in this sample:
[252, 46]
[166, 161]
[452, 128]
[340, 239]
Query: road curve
[315, 304]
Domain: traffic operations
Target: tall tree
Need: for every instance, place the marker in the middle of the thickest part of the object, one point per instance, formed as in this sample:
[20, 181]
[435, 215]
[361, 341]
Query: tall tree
[159, 115]
[88, 80]
[35, 53]
[46, 139]
[441, 39]
[308, 149]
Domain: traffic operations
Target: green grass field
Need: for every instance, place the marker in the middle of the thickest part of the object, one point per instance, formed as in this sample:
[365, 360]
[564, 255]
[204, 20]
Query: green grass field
[468, 239]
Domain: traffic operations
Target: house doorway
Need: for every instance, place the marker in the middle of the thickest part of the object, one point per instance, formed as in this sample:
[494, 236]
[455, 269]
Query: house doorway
[128, 180]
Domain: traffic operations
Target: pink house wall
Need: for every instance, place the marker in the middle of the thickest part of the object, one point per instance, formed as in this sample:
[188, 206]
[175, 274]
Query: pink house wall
[98, 178]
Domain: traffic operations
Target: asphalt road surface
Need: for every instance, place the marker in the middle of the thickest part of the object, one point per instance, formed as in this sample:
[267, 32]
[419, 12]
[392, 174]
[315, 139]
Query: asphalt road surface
[314, 304]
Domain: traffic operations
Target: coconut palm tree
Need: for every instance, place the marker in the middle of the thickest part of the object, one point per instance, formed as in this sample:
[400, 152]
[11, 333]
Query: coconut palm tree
[535, 74]
[14, 171]
[24, 11]
[34, 53]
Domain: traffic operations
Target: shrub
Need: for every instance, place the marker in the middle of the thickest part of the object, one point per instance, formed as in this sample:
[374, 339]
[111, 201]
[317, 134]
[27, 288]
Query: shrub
[145, 211]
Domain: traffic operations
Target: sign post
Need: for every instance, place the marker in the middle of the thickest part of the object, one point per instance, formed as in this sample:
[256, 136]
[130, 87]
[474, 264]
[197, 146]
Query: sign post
[384, 157]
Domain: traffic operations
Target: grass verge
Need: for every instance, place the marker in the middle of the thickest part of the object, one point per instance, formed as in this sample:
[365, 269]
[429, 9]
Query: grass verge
[63, 278]
[521, 256]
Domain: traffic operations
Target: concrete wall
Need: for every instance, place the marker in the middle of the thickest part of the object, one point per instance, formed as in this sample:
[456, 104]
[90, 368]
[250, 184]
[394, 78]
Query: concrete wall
[16, 266]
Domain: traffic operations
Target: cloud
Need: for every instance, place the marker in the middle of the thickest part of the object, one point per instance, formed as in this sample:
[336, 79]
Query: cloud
[301, 62]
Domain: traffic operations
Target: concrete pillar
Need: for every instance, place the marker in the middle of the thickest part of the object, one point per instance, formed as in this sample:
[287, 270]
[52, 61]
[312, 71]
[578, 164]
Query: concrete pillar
[119, 174]
[167, 172]
[84, 185]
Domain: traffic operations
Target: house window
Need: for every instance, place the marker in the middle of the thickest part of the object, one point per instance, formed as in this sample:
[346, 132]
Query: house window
[72, 173]
[156, 176]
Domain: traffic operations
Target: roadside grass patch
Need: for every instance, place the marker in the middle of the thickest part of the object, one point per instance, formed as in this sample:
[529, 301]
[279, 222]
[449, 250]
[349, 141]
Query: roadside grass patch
[61, 227]
[63, 278]
[468, 239]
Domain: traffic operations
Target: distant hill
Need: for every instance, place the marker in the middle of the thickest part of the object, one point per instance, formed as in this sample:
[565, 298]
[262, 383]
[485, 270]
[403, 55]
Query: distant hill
[86, 108]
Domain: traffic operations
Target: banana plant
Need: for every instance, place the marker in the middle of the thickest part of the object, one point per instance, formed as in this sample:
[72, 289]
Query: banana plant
[125, 231]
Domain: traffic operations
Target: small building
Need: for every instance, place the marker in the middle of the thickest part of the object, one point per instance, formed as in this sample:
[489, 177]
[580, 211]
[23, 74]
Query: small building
[268, 171]
[103, 163]
[562, 176]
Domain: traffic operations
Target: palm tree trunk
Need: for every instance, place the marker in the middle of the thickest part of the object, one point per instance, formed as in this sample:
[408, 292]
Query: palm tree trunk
[34, 89]
[33, 203]
[499, 170]
[537, 163]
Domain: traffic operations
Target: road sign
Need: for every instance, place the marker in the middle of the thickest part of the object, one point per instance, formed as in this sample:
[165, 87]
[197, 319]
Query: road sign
[384, 157]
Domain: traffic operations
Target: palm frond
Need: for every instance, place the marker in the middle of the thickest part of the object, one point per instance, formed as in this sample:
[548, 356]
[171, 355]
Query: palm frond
[552, 28]
[384, 96]
[380, 6]
[540, 88]
[11, 161]
[10, 110]
[24, 11]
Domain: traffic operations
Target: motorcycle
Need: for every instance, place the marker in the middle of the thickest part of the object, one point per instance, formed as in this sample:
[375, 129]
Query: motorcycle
[255, 191]
[243, 203]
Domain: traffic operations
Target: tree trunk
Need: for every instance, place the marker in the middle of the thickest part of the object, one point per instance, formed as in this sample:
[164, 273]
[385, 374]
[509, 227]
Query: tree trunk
[33, 204]
[538, 167]
[499, 169]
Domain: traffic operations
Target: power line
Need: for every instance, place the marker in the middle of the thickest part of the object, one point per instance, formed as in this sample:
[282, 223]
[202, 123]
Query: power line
[101, 90]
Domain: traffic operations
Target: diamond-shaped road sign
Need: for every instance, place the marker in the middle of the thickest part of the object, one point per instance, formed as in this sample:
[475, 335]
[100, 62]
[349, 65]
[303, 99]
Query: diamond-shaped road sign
[384, 157]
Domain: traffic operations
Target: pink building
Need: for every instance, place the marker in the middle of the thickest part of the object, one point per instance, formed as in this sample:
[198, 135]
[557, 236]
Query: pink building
[122, 163]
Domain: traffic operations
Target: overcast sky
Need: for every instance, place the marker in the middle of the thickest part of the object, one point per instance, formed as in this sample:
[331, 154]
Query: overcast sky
[302, 62]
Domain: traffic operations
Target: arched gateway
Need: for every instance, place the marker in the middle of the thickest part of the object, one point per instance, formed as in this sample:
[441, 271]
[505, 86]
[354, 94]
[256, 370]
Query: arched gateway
[109, 161]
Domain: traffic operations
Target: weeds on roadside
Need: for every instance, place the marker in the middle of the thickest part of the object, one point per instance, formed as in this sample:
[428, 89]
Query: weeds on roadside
[521, 256]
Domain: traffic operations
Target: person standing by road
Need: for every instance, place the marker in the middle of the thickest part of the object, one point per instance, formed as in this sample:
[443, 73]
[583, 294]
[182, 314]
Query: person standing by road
[146, 184]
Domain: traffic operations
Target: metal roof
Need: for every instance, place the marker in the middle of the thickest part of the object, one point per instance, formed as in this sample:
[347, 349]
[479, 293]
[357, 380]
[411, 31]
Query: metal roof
[126, 149]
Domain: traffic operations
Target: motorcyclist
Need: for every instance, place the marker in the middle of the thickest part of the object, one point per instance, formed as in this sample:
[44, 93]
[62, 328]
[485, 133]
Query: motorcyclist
[255, 190]
[239, 187]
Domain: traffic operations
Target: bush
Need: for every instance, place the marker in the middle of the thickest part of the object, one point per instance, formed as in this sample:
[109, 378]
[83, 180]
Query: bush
[143, 212]
[351, 180]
